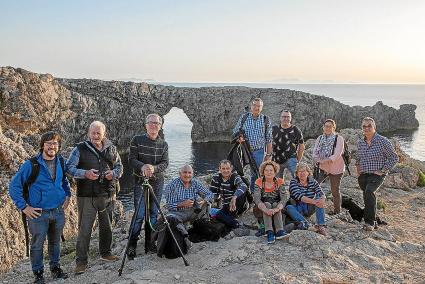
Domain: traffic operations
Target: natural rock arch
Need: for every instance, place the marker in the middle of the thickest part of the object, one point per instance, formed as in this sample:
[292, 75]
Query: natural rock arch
[32, 102]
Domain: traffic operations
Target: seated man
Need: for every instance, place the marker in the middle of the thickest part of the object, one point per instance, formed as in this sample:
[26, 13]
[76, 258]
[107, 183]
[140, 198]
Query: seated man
[231, 189]
[181, 194]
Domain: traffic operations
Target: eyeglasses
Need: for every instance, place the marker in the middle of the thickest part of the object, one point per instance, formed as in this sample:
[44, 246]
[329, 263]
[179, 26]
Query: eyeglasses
[367, 126]
[286, 116]
[55, 143]
[154, 122]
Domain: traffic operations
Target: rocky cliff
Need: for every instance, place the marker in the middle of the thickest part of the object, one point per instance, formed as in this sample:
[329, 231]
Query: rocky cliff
[215, 110]
[32, 102]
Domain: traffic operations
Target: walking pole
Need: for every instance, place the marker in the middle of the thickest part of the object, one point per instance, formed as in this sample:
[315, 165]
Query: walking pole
[133, 222]
[148, 229]
[150, 189]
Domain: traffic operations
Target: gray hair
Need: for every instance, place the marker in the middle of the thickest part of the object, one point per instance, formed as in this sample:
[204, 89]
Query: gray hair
[303, 166]
[259, 100]
[371, 120]
[153, 115]
[98, 123]
[186, 167]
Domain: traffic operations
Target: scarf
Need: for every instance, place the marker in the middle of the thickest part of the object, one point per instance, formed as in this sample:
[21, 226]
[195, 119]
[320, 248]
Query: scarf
[325, 146]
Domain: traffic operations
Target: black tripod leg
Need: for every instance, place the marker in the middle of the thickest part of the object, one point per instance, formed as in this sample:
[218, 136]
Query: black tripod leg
[168, 226]
[130, 231]
[148, 229]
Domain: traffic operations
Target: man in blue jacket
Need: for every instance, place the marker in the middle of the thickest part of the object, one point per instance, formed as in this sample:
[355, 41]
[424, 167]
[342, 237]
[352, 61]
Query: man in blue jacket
[48, 196]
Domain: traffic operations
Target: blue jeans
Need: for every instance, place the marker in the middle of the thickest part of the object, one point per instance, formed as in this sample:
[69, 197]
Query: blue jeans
[297, 212]
[157, 186]
[227, 217]
[50, 224]
[291, 165]
[258, 156]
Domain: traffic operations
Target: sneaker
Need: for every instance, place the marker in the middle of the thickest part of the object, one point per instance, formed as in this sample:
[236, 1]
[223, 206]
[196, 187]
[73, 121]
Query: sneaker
[39, 278]
[368, 227]
[281, 234]
[57, 273]
[80, 268]
[321, 229]
[109, 257]
[270, 237]
[261, 232]
[303, 225]
[131, 252]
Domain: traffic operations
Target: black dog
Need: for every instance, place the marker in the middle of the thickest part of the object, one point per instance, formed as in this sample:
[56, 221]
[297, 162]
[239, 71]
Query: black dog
[206, 230]
[356, 211]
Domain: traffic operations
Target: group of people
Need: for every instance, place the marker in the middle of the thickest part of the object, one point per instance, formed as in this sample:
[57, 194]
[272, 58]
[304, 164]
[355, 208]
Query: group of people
[96, 166]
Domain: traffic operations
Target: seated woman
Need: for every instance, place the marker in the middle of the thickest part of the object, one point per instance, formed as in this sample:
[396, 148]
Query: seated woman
[270, 197]
[307, 197]
[327, 153]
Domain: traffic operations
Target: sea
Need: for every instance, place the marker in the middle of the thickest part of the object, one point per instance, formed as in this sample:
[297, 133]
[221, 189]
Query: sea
[204, 157]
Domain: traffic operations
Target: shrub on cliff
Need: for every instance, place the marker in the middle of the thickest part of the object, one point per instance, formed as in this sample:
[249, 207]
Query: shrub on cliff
[421, 180]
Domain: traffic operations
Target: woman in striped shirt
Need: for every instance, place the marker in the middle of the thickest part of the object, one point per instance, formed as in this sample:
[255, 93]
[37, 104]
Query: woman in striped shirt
[270, 197]
[307, 198]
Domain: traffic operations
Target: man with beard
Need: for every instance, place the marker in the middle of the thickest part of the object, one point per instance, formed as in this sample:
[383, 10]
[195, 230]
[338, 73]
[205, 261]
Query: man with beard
[44, 203]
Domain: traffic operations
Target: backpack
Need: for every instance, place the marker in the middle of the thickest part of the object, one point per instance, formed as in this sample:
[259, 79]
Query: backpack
[266, 122]
[35, 170]
[346, 154]
[166, 246]
[243, 120]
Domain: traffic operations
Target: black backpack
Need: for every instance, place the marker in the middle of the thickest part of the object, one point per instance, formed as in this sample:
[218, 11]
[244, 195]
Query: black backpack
[346, 154]
[35, 170]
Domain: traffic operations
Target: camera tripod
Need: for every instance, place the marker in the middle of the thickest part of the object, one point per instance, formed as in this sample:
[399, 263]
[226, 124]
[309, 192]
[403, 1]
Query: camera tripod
[148, 190]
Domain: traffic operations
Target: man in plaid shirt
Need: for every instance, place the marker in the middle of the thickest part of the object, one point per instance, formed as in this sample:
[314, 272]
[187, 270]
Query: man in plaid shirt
[181, 194]
[375, 158]
[257, 129]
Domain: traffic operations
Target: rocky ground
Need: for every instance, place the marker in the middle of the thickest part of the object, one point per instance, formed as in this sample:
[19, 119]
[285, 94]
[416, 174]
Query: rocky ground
[394, 253]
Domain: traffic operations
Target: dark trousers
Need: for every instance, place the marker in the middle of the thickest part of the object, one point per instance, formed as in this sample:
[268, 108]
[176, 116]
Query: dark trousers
[88, 208]
[369, 184]
[157, 186]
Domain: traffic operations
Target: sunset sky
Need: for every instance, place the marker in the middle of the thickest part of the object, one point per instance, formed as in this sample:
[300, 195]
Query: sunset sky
[218, 41]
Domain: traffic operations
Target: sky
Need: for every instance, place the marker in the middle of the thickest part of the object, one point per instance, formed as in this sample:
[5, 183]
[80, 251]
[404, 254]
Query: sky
[296, 41]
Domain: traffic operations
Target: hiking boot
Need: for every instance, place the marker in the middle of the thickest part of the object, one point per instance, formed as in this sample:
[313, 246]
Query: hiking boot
[57, 273]
[281, 234]
[270, 237]
[131, 252]
[109, 257]
[80, 268]
[321, 229]
[39, 278]
[368, 227]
